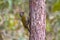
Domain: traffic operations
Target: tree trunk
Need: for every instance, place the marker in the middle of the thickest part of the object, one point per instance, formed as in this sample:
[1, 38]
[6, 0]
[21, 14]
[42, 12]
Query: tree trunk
[38, 19]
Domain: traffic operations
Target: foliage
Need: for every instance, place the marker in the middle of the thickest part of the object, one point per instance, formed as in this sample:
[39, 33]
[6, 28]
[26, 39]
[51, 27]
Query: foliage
[11, 25]
[56, 6]
[53, 20]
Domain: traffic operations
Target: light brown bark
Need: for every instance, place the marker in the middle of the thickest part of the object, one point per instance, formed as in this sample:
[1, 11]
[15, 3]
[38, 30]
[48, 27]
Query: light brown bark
[38, 17]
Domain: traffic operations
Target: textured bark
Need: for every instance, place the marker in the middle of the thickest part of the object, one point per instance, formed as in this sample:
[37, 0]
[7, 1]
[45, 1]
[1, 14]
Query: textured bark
[38, 17]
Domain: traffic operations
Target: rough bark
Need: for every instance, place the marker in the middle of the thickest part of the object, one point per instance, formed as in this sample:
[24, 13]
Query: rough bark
[38, 17]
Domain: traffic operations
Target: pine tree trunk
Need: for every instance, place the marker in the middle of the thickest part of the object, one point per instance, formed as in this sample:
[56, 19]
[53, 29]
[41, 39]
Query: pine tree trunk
[38, 19]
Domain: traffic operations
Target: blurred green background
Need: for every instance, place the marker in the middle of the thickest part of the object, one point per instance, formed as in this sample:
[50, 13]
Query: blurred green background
[11, 25]
[52, 19]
